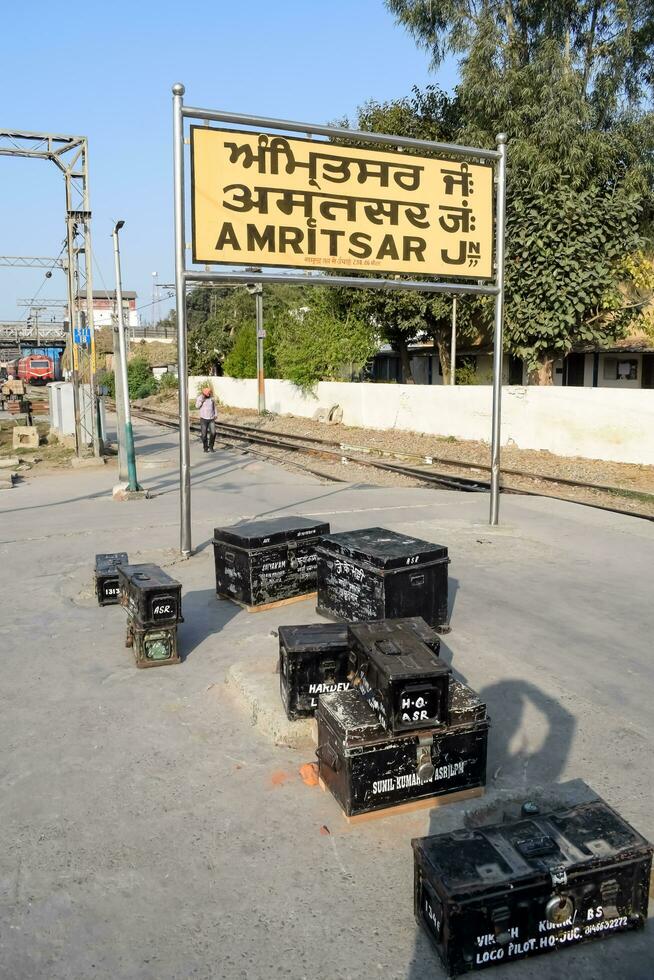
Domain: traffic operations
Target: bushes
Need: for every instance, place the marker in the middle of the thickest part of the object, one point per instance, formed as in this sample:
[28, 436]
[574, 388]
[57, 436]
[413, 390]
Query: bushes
[241, 362]
[168, 383]
[107, 379]
[140, 379]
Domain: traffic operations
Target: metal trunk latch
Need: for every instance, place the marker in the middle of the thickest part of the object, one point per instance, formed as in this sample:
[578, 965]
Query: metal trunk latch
[500, 917]
[559, 876]
[560, 907]
[425, 765]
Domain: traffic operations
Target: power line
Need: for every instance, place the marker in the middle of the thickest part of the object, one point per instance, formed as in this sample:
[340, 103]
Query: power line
[45, 279]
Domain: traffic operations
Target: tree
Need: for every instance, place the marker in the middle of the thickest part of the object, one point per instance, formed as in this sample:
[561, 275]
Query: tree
[214, 316]
[400, 317]
[567, 82]
[241, 362]
[323, 341]
[140, 379]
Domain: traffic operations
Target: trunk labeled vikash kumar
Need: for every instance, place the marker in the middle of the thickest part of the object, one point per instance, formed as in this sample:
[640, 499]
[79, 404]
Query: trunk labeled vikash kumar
[379, 574]
[505, 892]
[258, 562]
[400, 677]
[314, 660]
[367, 768]
[105, 577]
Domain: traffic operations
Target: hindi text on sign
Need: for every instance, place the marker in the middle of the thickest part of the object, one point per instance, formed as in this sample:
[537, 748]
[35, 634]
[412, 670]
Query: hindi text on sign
[268, 200]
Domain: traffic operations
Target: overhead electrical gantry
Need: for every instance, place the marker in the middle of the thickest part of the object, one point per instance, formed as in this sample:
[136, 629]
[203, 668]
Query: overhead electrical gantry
[70, 155]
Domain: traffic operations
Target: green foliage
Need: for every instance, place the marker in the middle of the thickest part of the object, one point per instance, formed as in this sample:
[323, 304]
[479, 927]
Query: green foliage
[399, 317]
[568, 83]
[140, 379]
[241, 362]
[214, 316]
[107, 379]
[607, 45]
[168, 382]
[467, 374]
[322, 342]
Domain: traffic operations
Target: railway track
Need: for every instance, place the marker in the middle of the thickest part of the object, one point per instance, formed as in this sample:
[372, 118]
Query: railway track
[334, 451]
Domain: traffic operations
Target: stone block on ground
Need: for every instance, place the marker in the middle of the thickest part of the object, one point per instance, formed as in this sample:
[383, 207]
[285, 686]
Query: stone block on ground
[86, 461]
[25, 437]
[255, 684]
[9, 463]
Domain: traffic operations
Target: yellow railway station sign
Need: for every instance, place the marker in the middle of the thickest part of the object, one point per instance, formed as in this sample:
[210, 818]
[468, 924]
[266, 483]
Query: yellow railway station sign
[267, 200]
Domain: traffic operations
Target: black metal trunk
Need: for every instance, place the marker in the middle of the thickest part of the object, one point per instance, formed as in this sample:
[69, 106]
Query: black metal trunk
[404, 683]
[313, 660]
[154, 646]
[505, 892]
[105, 577]
[367, 768]
[263, 561]
[379, 574]
[150, 596]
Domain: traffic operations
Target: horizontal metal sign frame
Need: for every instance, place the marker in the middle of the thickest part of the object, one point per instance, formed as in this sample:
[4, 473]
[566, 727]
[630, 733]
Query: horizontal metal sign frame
[350, 282]
[288, 125]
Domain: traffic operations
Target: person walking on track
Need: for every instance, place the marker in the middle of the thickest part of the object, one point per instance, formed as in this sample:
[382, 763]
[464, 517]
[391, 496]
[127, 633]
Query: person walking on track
[205, 402]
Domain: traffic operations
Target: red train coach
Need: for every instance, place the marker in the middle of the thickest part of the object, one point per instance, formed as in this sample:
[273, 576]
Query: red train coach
[36, 369]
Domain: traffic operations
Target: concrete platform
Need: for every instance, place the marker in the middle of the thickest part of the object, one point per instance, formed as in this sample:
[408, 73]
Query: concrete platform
[148, 830]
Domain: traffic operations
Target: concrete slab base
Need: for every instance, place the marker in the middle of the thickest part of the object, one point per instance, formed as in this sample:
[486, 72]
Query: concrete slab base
[256, 685]
[120, 492]
[153, 464]
[85, 462]
[9, 463]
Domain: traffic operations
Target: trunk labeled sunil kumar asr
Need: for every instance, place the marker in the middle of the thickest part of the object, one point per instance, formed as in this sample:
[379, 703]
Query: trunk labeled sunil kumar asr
[505, 892]
[314, 660]
[367, 768]
[264, 561]
[400, 677]
[375, 573]
[105, 577]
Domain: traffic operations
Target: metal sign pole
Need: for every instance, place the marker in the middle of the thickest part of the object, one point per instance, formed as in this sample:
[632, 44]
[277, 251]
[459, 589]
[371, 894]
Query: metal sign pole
[180, 286]
[184, 278]
[498, 352]
[453, 345]
[261, 387]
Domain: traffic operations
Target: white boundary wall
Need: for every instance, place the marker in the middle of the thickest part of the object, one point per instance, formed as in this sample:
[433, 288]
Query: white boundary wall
[598, 423]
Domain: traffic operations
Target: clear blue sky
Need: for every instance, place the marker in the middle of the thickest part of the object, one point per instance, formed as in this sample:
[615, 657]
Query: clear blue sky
[105, 71]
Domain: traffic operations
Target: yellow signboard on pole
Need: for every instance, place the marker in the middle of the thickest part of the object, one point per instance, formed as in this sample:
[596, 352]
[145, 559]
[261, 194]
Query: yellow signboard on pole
[260, 199]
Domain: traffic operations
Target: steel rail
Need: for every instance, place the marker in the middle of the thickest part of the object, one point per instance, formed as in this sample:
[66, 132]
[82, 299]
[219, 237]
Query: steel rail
[464, 464]
[194, 427]
[245, 434]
